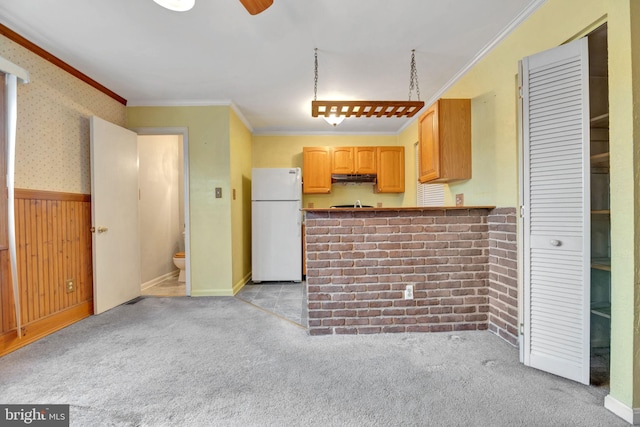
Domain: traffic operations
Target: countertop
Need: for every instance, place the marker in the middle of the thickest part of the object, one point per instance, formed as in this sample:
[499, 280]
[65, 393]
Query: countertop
[403, 208]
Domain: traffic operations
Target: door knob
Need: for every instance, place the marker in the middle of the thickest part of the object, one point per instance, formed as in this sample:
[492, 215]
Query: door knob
[102, 229]
[555, 242]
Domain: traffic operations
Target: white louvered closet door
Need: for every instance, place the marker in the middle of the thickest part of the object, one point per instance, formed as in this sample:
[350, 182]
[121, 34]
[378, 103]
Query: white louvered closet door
[557, 210]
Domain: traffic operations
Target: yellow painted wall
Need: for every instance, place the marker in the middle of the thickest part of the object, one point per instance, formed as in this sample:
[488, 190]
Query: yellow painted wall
[284, 151]
[491, 85]
[52, 138]
[240, 173]
[408, 139]
[209, 167]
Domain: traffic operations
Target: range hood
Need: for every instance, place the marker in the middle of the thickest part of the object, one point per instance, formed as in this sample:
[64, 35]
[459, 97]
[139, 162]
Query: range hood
[367, 178]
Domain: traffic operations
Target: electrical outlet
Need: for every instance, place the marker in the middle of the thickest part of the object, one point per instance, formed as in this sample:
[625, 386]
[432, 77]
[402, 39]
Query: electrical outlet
[70, 285]
[460, 199]
[408, 292]
[379, 204]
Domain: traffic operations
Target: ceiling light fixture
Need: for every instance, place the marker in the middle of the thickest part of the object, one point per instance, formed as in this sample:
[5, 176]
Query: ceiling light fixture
[334, 112]
[333, 118]
[177, 5]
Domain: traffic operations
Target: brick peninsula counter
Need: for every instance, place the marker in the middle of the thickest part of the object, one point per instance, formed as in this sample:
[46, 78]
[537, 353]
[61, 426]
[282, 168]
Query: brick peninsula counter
[461, 262]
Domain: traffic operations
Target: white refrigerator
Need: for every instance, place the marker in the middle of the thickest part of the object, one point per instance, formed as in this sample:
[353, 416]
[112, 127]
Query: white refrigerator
[276, 224]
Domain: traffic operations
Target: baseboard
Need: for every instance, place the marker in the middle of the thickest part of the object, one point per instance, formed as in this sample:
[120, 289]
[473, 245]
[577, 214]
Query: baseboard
[153, 282]
[630, 415]
[211, 293]
[240, 284]
[41, 328]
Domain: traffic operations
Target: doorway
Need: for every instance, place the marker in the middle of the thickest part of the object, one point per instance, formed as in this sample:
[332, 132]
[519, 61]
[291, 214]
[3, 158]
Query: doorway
[565, 210]
[163, 201]
[600, 327]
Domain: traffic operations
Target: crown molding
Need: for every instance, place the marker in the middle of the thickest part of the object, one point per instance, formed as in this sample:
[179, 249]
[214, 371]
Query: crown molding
[528, 11]
[27, 44]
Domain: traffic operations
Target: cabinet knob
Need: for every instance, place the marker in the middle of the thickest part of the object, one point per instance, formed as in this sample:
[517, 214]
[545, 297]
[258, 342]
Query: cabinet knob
[555, 242]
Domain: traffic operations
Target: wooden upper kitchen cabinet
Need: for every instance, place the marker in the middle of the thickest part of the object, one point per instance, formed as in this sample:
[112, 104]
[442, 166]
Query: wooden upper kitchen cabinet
[444, 135]
[342, 160]
[354, 160]
[365, 159]
[316, 170]
[390, 170]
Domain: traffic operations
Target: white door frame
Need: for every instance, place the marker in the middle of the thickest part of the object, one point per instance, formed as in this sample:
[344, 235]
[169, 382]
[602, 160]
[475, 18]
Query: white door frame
[520, 213]
[184, 132]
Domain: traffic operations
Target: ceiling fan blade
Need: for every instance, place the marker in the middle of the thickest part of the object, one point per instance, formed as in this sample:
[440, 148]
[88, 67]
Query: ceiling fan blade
[254, 7]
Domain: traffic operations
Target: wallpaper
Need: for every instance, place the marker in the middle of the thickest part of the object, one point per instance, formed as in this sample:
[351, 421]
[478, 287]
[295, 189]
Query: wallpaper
[52, 143]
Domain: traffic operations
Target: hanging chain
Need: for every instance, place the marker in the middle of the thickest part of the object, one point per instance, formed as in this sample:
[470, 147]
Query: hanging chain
[413, 79]
[315, 80]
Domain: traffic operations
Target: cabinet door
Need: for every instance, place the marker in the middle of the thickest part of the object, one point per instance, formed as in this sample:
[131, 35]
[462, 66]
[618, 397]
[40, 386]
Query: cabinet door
[444, 133]
[429, 145]
[390, 170]
[316, 170]
[342, 160]
[365, 159]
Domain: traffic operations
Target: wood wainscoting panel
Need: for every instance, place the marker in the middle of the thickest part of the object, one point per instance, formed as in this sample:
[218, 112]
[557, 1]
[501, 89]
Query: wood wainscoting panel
[9, 341]
[53, 244]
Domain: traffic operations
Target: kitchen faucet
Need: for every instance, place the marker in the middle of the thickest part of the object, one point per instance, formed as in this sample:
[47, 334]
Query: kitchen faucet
[357, 204]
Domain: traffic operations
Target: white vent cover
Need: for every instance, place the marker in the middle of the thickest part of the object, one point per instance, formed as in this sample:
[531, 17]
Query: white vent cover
[430, 194]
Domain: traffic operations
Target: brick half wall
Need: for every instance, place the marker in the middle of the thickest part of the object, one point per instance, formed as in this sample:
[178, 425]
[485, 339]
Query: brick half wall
[359, 264]
[503, 274]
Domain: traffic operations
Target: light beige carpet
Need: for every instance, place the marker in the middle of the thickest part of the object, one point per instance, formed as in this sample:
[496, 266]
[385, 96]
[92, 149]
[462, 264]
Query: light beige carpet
[223, 362]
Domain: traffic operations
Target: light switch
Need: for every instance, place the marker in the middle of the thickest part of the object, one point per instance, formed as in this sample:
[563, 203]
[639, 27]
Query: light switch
[218, 192]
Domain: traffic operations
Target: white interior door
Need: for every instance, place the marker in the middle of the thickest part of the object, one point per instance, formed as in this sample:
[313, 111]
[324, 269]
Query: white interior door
[556, 219]
[114, 215]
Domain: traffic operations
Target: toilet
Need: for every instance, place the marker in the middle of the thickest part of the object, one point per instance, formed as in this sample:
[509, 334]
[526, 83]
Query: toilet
[178, 261]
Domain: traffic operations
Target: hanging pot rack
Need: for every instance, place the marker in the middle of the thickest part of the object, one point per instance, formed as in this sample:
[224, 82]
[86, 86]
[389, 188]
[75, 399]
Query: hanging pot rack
[368, 108]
